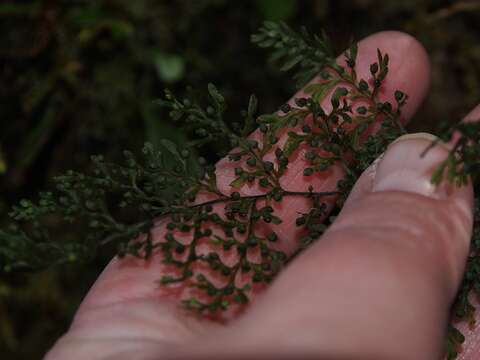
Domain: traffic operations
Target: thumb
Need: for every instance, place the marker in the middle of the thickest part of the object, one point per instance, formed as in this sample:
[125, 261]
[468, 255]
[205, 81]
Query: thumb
[423, 232]
[380, 282]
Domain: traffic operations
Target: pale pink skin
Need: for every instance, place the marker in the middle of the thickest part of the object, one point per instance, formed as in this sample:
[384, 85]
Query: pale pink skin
[378, 284]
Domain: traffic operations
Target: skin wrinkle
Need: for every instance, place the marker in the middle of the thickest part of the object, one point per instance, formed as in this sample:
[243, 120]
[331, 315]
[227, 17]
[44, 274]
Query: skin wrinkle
[161, 328]
[148, 333]
[110, 348]
[169, 335]
[464, 211]
[126, 337]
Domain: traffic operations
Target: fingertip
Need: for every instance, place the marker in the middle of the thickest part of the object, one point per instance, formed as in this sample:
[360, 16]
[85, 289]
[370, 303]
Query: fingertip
[409, 67]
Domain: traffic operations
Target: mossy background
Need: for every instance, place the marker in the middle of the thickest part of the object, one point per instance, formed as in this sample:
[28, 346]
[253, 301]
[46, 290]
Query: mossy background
[78, 78]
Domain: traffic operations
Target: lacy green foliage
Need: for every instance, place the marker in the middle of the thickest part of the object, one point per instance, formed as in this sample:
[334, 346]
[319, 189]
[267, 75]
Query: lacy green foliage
[165, 183]
[206, 123]
[462, 162]
[309, 52]
[85, 201]
[105, 105]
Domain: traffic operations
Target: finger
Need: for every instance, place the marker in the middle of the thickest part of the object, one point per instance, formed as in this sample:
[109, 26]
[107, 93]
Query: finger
[409, 71]
[379, 284]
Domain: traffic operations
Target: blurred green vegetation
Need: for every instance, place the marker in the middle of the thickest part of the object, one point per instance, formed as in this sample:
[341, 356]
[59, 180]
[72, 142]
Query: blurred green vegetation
[78, 78]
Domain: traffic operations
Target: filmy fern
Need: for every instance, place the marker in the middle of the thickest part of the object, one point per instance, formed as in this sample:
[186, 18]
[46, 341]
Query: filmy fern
[169, 186]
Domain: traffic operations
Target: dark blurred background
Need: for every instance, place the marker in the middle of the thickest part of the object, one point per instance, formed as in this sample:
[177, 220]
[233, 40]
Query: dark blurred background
[78, 78]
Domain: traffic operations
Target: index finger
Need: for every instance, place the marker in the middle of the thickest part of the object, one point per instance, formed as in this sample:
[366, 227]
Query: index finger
[409, 72]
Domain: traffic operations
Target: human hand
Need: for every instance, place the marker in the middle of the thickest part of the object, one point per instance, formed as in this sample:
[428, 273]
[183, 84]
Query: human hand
[378, 284]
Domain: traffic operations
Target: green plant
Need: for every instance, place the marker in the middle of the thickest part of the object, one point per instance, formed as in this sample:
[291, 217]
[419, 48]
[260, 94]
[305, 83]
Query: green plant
[173, 186]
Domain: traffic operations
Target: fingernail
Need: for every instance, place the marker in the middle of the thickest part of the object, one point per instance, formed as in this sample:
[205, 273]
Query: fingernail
[406, 167]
